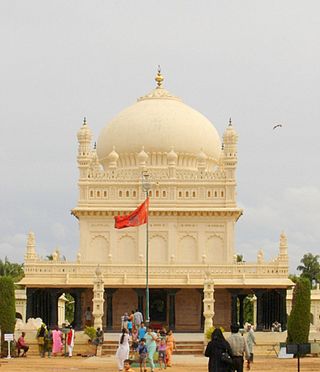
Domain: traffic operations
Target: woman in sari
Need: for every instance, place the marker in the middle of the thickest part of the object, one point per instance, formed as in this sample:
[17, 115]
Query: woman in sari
[56, 341]
[122, 353]
[151, 344]
[171, 345]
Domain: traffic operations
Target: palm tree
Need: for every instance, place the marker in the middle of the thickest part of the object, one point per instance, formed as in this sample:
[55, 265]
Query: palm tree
[13, 270]
[310, 267]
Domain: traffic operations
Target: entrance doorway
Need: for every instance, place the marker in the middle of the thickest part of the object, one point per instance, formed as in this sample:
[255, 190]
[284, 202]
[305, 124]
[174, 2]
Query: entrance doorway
[158, 305]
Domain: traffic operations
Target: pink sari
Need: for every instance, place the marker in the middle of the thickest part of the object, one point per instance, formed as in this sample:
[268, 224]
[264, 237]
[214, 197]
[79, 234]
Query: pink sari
[57, 343]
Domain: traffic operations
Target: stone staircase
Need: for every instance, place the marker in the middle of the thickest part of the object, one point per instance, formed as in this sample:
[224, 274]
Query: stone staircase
[183, 347]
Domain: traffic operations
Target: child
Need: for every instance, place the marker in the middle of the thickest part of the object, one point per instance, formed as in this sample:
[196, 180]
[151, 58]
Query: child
[142, 349]
[162, 353]
[129, 326]
[127, 365]
[134, 340]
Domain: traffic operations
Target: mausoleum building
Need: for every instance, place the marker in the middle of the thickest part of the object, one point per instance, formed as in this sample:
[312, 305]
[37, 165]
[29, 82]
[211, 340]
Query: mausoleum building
[192, 186]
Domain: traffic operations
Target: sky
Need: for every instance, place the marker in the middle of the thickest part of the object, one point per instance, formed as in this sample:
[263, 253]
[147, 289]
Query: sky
[255, 61]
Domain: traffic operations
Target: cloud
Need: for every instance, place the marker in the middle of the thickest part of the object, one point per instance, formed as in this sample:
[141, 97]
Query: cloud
[296, 211]
[13, 247]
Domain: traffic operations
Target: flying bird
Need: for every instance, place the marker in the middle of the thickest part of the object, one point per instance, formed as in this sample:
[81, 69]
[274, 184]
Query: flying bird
[277, 126]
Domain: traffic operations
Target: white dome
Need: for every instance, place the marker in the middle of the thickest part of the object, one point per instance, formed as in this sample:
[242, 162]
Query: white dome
[159, 122]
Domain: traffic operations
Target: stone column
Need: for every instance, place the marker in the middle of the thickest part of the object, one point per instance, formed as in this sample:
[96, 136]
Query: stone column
[110, 292]
[76, 294]
[283, 309]
[254, 303]
[208, 304]
[172, 307]
[241, 312]
[53, 316]
[234, 308]
[30, 299]
[259, 295]
[98, 298]
[140, 293]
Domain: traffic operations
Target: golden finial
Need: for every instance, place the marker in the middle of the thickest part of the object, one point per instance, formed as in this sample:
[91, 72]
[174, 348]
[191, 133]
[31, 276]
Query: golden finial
[159, 78]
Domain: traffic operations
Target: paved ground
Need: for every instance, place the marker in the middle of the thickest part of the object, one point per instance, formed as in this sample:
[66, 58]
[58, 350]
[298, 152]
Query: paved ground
[181, 364]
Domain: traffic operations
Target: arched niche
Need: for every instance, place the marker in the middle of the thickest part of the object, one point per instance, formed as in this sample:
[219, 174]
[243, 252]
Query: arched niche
[214, 250]
[99, 248]
[187, 250]
[126, 251]
[158, 250]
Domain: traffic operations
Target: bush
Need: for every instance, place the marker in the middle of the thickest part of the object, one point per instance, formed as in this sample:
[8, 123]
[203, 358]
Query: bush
[91, 332]
[7, 310]
[210, 331]
[299, 319]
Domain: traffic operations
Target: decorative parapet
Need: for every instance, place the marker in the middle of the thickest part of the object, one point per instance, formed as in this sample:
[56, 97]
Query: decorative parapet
[234, 275]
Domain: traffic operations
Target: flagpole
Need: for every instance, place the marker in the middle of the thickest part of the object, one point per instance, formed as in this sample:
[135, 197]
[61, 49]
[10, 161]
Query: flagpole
[147, 268]
[146, 185]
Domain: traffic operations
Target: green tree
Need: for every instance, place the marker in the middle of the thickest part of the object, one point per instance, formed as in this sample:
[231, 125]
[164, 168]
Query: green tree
[310, 267]
[239, 257]
[13, 270]
[7, 309]
[299, 318]
[69, 306]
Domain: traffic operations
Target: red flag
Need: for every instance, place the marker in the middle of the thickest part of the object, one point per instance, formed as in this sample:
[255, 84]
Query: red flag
[136, 218]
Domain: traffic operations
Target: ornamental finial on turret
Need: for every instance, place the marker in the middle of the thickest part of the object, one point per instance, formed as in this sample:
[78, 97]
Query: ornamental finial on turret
[159, 78]
[230, 122]
[84, 121]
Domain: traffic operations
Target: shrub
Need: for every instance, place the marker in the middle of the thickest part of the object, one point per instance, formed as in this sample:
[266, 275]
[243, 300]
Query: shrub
[7, 309]
[210, 331]
[91, 332]
[299, 319]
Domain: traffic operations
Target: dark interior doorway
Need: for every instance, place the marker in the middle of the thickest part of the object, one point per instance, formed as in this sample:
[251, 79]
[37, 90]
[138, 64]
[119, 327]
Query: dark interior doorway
[158, 305]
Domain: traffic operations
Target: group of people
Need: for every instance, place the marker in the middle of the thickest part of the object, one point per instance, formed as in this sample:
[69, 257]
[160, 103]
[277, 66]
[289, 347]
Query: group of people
[52, 341]
[141, 343]
[228, 355]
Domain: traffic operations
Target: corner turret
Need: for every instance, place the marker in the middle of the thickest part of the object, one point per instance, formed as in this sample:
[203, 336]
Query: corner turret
[84, 150]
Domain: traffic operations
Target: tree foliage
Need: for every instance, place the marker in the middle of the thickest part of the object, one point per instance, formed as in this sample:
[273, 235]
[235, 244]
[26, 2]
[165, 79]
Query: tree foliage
[299, 319]
[310, 268]
[7, 309]
[13, 270]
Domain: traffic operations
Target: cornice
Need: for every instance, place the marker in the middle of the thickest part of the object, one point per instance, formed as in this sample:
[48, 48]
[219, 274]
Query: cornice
[236, 213]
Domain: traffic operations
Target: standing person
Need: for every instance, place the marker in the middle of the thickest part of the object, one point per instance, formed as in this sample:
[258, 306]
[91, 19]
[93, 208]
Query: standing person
[123, 349]
[21, 345]
[88, 317]
[124, 321]
[137, 318]
[41, 335]
[48, 342]
[142, 350]
[98, 341]
[239, 347]
[151, 344]
[142, 331]
[56, 341]
[162, 353]
[131, 316]
[171, 345]
[134, 340]
[251, 340]
[129, 326]
[214, 350]
[70, 341]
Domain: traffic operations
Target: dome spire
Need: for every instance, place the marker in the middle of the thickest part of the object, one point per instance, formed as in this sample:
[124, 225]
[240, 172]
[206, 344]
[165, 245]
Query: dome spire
[159, 78]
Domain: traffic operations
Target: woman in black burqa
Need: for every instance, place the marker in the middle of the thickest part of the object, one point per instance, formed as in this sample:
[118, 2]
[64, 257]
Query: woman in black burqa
[215, 348]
